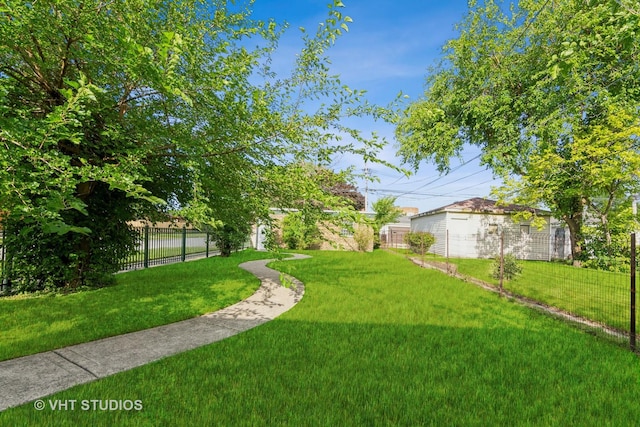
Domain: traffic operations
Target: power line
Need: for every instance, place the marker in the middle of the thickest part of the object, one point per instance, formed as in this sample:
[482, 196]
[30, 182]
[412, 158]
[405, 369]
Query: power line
[394, 193]
[628, 8]
[520, 36]
[442, 176]
[460, 179]
[400, 192]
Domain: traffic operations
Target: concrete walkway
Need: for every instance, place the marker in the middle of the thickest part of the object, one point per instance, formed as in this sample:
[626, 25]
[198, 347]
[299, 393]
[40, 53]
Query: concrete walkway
[32, 377]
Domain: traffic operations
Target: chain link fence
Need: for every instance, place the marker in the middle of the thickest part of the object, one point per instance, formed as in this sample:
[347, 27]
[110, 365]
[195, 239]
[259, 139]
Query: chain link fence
[547, 276]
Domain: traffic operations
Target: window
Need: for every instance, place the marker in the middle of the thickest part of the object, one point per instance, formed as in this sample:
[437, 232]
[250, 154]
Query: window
[525, 228]
[492, 229]
[346, 230]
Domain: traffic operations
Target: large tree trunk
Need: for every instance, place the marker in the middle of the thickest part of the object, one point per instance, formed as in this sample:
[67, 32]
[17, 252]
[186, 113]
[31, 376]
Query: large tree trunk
[84, 191]
[574, 222]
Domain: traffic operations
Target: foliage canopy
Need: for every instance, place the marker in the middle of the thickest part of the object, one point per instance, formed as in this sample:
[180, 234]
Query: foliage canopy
[551, 93]
[113, 111]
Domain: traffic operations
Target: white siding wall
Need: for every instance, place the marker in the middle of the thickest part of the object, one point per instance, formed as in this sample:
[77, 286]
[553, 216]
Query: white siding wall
[533, 245]
[475, 235]
[436, 225]
[462, 229]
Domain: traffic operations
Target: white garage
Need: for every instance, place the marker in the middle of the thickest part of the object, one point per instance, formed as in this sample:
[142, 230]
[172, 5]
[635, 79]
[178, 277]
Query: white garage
[474, 228]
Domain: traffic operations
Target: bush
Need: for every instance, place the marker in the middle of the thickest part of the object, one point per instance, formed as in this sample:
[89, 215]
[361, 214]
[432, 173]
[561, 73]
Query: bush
[511, 267]
[601, 254]
[363, 235]
[300, 231]
[83, 248]
[419, 241]
[230, 238]
[40, 261]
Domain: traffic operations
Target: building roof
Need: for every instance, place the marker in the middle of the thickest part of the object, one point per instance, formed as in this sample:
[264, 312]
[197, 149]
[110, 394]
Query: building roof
[402, 221]
[480, 205]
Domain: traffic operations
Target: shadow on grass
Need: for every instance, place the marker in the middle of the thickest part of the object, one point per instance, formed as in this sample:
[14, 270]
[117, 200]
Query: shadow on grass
[290, 372]
[141, 300]
[377, 341]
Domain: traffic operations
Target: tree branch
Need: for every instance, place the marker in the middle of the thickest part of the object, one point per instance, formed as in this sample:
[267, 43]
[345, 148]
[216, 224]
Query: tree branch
[205, 155]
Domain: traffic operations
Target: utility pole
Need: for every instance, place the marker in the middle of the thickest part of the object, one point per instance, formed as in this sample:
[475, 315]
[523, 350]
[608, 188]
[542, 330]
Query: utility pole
[366, 187]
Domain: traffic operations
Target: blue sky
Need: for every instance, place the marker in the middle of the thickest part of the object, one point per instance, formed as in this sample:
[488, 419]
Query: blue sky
[388, 49]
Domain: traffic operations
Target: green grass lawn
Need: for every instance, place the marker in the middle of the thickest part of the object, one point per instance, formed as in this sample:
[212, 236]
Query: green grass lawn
[140, 299]
[158, 254]
[377, 341]
[601, 296]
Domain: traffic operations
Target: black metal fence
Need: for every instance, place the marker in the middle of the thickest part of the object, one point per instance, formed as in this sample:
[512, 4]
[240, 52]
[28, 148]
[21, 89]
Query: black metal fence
[155, 246]
[603, 298]
[168, 245]
[4, 280]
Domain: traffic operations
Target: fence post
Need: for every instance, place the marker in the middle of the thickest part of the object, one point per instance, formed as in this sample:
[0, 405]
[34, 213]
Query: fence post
[184, 243]
[3, 255]
[4, 277]
[446, 244]
[207, 246]
[632, 322]
[145, 262]
[501, 261]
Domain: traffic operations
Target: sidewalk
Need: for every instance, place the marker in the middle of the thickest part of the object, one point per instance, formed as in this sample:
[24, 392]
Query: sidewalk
[32, 377]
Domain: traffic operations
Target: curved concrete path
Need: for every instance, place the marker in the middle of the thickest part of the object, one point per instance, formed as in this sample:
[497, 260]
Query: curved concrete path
[32, 377]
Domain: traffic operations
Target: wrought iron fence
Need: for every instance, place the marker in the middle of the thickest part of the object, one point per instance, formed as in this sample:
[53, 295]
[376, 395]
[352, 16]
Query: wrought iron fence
[168, 245]
[155, 246]
[4, 281]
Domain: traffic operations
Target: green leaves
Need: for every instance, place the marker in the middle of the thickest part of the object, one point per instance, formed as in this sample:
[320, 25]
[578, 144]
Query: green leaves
[59, 227]
[114, 111]
[385, 212]
[537, 88]
[419, 241]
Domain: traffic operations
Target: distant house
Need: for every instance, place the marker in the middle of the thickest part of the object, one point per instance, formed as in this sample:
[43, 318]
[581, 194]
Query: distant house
[392, 234]
[334, 236]
[474, 228]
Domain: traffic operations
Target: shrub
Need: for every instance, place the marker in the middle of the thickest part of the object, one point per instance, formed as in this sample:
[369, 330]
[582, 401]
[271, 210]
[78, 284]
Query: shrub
[511, 267]
[300, 231]
[419, 241]
[363, 236]
[609, 254]
[44, 261]
[230, 238]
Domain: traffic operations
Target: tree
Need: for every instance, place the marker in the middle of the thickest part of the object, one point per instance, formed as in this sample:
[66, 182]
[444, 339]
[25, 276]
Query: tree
[338, 185]
[301, 231]
[593, 176]
[349, 192]
[534, 97]
[385, 213]
[112, 111]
